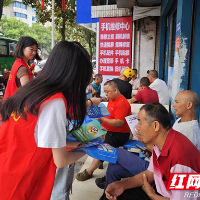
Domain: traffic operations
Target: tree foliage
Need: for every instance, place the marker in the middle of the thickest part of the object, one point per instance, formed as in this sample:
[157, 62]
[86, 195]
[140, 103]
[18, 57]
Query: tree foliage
[14, 29]
[65, 22]
[61, 16]
[86, 37]
[6, 2]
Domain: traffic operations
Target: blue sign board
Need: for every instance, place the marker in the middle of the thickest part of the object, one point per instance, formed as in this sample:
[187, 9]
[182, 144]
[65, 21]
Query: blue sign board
[83, 12]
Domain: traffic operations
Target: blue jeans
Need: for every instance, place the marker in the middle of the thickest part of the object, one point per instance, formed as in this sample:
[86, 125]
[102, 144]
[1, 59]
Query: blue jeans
[128, 165]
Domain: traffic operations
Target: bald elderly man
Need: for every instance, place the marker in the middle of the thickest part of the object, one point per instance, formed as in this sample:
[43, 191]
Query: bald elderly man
[172, 153]
[185, 106]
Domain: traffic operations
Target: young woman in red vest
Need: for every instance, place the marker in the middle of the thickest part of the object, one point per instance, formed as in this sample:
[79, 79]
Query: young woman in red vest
[25, 50]
[33, 132]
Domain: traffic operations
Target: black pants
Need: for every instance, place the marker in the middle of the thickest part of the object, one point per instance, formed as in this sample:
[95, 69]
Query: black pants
[116, 139]
[131, 194]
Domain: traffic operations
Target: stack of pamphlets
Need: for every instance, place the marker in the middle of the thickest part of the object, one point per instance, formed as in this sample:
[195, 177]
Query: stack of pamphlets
[89, 130]
[88, 134]
[101, 151]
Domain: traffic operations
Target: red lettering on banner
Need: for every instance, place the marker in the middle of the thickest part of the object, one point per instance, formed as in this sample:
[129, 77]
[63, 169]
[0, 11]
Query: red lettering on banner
[115, 36]
[184, 181]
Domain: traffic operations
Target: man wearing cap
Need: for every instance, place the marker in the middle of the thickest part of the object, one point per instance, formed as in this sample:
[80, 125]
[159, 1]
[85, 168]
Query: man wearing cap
[123, 84]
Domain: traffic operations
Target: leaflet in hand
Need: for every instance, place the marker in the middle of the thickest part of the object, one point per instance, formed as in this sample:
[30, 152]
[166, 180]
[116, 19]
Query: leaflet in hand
[132, 122]
[103, 152]
[98, 111]
[89, 130]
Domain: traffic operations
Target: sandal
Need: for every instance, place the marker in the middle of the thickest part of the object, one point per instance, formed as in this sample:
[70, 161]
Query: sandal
[83, 176]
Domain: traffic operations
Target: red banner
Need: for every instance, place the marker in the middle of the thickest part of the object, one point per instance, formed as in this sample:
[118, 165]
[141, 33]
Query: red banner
[115, 36]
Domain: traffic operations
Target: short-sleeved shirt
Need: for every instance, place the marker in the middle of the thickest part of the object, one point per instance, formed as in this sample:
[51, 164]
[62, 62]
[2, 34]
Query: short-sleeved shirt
[178, 155]
[190, 129]
[50, 130]
[147, 95]
[125, 87]
[118, 109]
[162, 90]
[135, 83]
[96, 87]
[21, 71]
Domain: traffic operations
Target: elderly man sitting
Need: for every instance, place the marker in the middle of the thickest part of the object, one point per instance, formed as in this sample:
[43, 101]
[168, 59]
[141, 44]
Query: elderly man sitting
[171, 154]
[186, 103]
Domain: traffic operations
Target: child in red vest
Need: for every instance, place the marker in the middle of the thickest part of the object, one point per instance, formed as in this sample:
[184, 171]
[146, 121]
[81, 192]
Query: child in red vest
[21, 73]
[33, 132]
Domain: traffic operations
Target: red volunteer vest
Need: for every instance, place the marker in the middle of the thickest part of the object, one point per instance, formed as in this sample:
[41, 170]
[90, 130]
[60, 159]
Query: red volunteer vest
[11, 85]
[26, 171]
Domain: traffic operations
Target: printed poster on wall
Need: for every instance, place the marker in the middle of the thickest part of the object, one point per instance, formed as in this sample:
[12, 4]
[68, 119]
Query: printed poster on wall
[170, 81]
[115, 36]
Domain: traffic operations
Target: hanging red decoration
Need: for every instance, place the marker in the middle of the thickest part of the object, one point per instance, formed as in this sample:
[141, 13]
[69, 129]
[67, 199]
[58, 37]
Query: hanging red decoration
[42, 4]
[63, 4]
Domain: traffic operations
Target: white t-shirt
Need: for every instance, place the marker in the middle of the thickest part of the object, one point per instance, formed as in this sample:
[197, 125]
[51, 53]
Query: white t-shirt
[135, 83]
[190, 129]
[50, 130]
[162, 90]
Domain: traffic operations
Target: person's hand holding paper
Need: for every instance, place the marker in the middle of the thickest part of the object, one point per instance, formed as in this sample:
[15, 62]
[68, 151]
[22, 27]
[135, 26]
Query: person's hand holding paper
[132, 122]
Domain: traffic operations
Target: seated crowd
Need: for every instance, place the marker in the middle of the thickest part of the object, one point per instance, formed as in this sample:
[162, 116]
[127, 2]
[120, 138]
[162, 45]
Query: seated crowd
[169, 149]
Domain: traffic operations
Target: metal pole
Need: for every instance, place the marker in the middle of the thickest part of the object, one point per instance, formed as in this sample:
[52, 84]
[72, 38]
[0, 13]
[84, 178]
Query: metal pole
[52, 32]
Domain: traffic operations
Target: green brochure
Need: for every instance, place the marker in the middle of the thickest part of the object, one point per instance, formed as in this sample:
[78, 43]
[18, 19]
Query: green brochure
[90, 130]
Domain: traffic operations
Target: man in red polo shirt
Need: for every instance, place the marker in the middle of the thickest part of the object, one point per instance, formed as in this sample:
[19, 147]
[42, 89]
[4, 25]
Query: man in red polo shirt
[172, 153]
[117, 128]
[146, 95]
